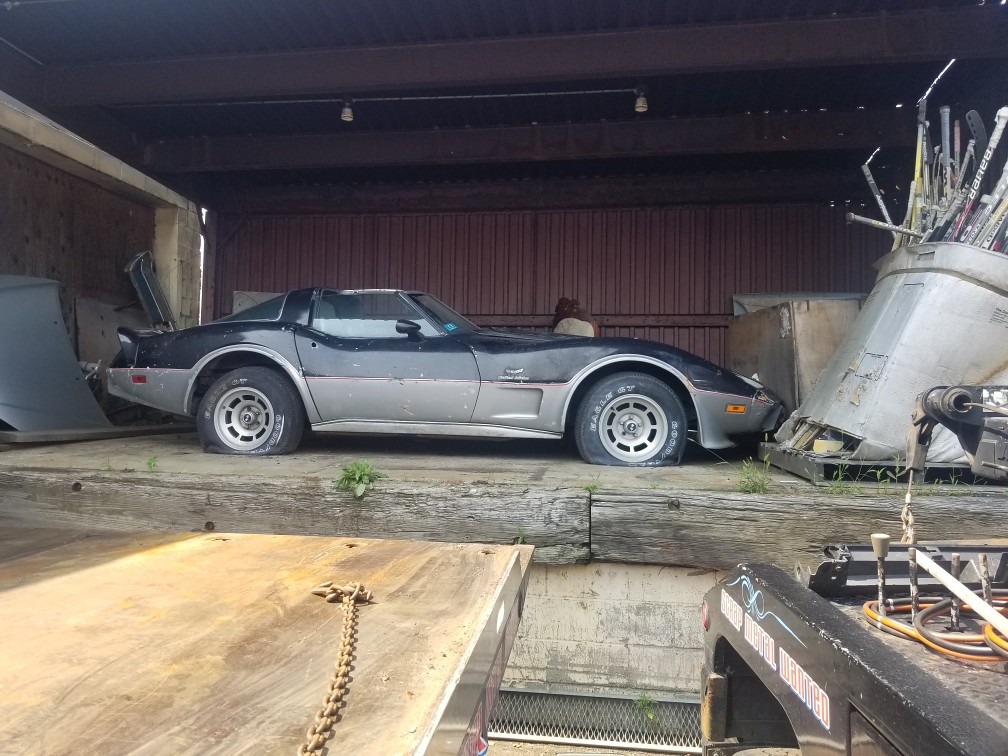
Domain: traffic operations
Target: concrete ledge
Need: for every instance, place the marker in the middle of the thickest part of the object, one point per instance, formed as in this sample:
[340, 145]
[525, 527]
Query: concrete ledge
[27, 131]
[497, 495]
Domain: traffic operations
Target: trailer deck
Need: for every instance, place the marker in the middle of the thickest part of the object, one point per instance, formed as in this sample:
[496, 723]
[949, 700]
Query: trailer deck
[160, 642]
[785, 667]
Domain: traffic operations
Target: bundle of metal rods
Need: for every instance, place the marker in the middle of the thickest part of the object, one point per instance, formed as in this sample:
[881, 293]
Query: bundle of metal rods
[944, 200]
[981, 635]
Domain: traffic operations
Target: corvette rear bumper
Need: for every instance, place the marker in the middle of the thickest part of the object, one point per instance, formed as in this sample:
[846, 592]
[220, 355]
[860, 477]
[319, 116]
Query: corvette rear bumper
[156, 387]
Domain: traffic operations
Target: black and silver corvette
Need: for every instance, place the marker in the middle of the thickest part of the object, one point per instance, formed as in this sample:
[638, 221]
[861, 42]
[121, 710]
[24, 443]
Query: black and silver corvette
[380, 361]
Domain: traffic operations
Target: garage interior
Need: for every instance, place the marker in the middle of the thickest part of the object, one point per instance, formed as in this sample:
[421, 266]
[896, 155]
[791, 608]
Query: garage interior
[652, 160]
[493, 152]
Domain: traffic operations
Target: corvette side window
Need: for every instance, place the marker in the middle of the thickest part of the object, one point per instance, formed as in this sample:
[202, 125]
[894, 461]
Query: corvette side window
[370, 315]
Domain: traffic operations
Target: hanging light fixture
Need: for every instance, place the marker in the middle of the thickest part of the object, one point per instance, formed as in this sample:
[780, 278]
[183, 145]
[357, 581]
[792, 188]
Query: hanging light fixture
[640, 104]
[347, 113]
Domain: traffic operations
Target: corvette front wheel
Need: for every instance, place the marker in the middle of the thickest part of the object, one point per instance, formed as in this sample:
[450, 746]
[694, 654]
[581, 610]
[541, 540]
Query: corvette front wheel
[631, 419]
[252, 410]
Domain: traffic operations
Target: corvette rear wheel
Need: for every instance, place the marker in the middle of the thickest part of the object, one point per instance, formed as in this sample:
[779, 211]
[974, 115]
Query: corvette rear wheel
[631, 419]
[252, 410]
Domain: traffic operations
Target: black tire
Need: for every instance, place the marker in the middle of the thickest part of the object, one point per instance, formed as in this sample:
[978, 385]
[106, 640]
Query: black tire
[251, 410]
[632, 420]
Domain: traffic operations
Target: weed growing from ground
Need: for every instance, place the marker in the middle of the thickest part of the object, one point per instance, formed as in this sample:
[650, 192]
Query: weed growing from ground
[755, 477]
[357, 477]
[839, 485]
[645, 705]
[954, 486]
[151, 463]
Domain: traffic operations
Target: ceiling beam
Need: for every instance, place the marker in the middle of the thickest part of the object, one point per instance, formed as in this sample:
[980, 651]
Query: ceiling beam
[723, 135]
[23, 78]
[20, 75]
[808, 185]
[970, 32]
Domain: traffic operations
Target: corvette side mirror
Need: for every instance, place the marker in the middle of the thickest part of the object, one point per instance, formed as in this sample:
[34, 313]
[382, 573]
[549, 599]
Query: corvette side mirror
[410, 328]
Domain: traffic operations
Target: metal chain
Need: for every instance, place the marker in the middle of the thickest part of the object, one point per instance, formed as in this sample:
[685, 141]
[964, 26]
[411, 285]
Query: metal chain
[349, 595]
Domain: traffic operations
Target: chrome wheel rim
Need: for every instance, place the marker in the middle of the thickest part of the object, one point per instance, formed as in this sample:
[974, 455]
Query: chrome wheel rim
[243, 418]
[633, 428]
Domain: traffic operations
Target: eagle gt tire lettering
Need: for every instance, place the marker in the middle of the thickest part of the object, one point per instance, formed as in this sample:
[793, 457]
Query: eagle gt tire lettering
[631, 419]
[251, 410]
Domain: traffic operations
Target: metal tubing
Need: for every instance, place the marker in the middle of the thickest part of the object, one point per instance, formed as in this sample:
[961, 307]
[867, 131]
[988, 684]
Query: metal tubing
[946, 149]
[954, 610]
[985, 581]
[852, 218]
[977, 604]
[876, 193]
[956, 154]
[914, 585]
[880, 545]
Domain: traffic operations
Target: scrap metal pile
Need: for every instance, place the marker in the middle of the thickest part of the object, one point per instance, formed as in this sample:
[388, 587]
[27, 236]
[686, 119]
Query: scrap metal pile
[935, 314]
[944, 202]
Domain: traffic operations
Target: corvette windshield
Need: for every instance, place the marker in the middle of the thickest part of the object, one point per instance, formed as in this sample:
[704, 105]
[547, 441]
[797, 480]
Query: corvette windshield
[443, 315]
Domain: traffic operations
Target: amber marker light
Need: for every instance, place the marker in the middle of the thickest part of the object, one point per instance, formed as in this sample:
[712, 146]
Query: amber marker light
[704, 616]
[737, 409]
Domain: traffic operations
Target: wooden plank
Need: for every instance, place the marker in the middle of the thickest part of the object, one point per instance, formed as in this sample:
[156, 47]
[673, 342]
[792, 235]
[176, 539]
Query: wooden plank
[693, 528]
[789, 343]
[193, 643]
[721, 529]
[56, 225]
[97, 322]
[555, 520]
[762, 343]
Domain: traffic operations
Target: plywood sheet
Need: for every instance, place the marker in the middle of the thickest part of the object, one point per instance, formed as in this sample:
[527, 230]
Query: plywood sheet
[204, 643]
[96, 328]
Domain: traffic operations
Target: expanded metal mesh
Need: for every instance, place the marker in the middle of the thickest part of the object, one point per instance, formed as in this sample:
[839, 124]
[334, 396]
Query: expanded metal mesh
[653, 725]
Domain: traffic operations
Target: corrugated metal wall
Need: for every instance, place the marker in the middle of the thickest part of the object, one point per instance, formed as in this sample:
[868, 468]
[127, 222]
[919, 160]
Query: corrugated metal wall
[662, 273]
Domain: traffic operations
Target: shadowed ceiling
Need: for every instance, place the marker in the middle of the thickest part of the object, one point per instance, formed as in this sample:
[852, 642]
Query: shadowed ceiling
[207, 96]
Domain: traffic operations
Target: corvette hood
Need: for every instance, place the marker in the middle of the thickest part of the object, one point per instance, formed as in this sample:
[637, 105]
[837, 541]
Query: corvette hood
[529, 336]
[558, 357]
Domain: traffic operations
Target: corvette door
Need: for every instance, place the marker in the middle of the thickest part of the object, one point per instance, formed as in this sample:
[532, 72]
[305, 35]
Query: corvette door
[359, 368]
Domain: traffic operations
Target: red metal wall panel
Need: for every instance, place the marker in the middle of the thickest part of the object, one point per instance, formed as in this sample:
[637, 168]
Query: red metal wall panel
[662, 273]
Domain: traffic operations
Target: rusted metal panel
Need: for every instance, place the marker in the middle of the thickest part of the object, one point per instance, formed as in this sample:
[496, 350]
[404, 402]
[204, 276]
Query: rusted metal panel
[664, 273]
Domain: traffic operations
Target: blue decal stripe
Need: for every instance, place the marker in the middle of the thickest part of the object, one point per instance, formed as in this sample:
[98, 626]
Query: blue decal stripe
[753, 600]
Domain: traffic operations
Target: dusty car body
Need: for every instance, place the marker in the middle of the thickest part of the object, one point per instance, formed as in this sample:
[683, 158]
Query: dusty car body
[389, 361]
